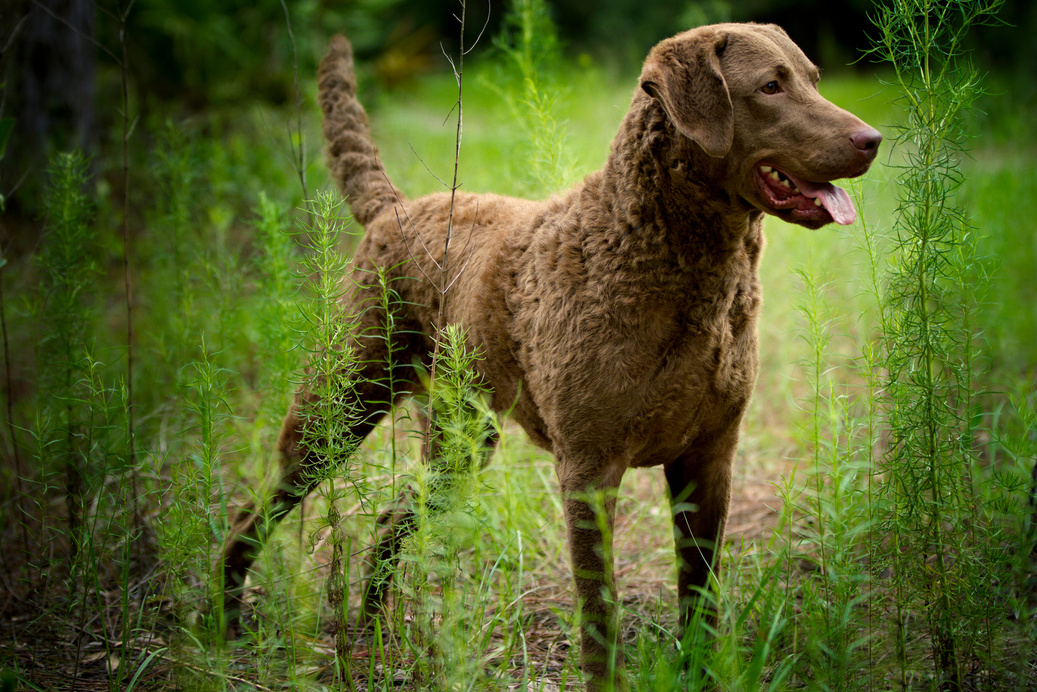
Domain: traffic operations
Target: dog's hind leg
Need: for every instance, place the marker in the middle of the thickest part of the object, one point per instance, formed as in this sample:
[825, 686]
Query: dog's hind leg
[400, 520]
[301, 468]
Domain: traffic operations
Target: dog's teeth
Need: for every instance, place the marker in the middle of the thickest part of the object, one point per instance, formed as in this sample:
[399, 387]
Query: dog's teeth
[765, 169]
[817, 202]
[775, 176]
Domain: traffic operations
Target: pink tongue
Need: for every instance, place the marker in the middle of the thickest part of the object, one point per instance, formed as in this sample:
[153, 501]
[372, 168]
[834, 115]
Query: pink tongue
[833, 198]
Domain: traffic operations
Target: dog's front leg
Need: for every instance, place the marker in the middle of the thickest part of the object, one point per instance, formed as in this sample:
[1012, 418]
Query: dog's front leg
[589, 504]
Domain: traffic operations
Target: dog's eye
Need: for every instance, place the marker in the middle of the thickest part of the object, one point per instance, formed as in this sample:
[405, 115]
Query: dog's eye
[771, 88]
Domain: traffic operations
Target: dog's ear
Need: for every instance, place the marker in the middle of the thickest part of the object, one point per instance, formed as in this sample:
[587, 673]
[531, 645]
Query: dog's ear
[684, 75]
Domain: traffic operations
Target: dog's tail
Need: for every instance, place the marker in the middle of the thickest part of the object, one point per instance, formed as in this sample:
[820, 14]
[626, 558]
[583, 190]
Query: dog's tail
[352, 156]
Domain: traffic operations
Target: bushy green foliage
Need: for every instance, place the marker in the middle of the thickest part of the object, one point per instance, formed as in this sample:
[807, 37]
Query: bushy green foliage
[529, 84]
[444, 490]
[65, 309]
[67, 261]
[332, 364]
[928, 503]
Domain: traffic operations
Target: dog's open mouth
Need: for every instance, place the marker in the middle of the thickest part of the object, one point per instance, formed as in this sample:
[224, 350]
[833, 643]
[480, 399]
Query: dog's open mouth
[814, 203]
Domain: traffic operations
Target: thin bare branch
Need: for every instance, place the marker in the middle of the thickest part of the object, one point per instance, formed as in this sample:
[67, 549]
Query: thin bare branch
[453, 65]
[482, 31]
[97, 44]
[25, 175]
[287, 153]
[445, 120]
[127, 131]
[471, 252]
[14, 32]
[444, 285]
[298, 158]
[468, 248]
[430, 172]
[410, 252]
[417, 235]
[133, 127]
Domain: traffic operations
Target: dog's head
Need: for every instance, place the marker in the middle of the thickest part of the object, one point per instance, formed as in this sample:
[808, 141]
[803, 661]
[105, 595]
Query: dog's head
[746, 95]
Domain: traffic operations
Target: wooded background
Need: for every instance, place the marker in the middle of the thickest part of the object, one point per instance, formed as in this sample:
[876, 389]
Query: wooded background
[60, 57]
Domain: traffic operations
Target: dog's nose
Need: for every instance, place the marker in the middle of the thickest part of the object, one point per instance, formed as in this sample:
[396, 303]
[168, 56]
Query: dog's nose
[867, 141]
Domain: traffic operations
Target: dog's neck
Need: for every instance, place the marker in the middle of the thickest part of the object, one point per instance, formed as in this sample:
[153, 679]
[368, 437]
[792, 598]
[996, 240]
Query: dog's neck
[665, 191]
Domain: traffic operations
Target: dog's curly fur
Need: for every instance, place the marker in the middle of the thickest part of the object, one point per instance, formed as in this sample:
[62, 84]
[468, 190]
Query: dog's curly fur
[617, 322]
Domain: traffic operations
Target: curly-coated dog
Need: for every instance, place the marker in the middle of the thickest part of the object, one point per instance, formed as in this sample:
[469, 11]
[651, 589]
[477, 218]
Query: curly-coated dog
[616, 322]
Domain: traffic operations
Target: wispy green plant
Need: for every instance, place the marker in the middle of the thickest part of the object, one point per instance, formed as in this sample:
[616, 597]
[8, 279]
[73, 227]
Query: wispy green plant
[1011, 493]
[532, 51]
[194, 512]
[331, 406]
[927, 498]
[80, 428]
[200, 472]
[64, 313]
[869, 367]
[328, 336]
[112, 532]
[836, 532]
[450, 619]
[389, 303]
[278, 312]
[751, 630]
[169, 279]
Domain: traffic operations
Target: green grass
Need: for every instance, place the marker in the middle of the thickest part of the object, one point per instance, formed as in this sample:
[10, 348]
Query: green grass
[218, 360]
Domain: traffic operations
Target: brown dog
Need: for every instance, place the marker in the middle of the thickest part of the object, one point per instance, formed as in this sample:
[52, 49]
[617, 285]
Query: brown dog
[617, 322]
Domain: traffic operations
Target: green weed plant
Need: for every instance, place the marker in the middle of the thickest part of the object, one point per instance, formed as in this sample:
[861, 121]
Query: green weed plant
[927, 503]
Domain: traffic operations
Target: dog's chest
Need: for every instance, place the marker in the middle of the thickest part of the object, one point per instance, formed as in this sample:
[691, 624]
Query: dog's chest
[705, 365]
[659, 362]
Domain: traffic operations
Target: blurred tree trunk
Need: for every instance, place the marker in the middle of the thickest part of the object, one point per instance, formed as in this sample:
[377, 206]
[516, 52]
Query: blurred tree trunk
[48, 66]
